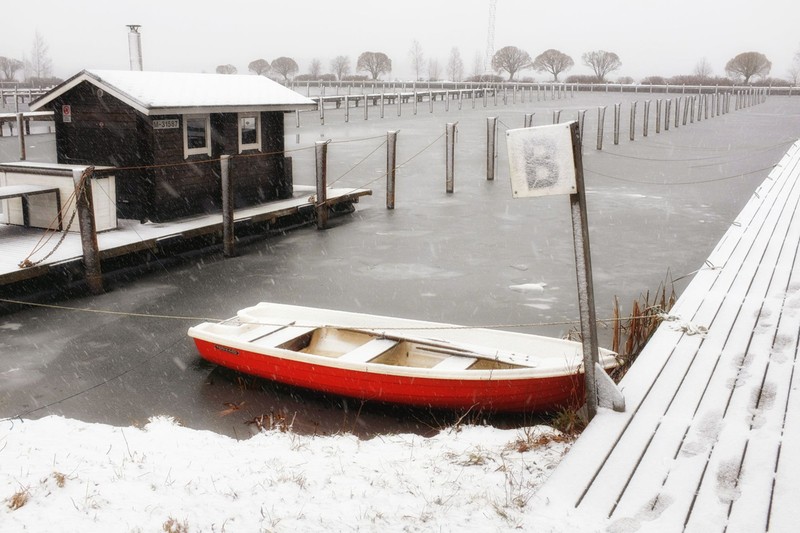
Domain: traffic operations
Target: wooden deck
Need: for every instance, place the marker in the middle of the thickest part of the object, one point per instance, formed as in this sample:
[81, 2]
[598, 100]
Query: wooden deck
[131, 236]
[710, 440]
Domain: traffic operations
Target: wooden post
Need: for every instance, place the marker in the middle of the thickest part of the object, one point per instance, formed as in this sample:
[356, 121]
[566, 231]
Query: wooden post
[366, 107]
[228, 238]
[383, 103]
[677, 110]
[528, 121]
[346, 107]
[82, 180]
[581, 119]
[667, 113]
[658, 115]
[447, 100]
[450, 148]
[601, 122]
[416, 100]
[21, 134]
[322, 184]
[321, 111]
[583, 269]
[491, 146]
[687, 102]
[391, 167]
[617, 112]
[646, 118]
[632, 129]
[556, 116]
[430, 100]
[399, 103]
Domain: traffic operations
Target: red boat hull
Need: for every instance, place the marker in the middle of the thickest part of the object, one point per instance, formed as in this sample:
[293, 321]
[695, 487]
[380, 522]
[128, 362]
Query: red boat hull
[499, 395]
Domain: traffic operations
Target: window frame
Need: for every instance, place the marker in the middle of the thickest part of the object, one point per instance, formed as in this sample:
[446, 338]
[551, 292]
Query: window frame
[252, 146]
[205, 150]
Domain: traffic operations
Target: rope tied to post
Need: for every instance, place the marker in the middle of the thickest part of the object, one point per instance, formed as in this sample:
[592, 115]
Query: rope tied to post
[51, 228]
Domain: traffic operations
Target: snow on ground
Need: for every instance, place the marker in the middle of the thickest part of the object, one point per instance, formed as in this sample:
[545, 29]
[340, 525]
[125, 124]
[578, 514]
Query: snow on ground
[59, 474]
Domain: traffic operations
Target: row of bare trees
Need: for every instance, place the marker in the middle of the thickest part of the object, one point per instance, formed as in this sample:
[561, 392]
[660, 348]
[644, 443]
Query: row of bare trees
[37, 68]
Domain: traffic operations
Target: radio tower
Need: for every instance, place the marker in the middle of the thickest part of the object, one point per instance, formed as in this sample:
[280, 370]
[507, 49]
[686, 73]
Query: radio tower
[487, 62]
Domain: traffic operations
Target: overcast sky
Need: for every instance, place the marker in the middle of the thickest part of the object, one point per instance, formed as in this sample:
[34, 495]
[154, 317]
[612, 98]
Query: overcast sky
[651, 37]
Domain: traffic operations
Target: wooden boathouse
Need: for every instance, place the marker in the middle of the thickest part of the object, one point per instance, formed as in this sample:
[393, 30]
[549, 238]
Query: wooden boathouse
[165, 131]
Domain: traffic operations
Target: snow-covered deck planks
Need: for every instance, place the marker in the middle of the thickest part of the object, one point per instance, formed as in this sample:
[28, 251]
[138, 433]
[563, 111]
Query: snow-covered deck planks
[710, 436]
[17, 242]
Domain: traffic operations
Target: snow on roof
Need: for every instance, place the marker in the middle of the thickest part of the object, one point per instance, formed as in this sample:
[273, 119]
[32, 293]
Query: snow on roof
[160, 93]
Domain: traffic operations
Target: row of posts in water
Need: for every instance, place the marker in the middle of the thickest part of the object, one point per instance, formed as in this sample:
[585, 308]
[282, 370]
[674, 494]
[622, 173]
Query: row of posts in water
[743, 98]
[695, 108]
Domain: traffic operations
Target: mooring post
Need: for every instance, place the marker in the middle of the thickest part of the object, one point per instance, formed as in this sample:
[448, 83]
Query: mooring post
[228, 237]
[491, 146]
[321, 205]
[556, 116]
[583, 269]
[450, 149]
[416, 101]
[617, 112]
[528, 121]
[581, 118]
[677, 110]
[632, 128]
[366, 106]
[646, 118]
[321, 111]
[691, 111]
[658, 115]
[346, 108]
[84, 204]
[705, 107]
[21, 134]
[399, 103]
[391, 167]
[667, 113]
[601, 122]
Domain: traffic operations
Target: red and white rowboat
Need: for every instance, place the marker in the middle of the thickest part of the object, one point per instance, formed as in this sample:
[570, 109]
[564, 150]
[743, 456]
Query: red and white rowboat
[424, 364]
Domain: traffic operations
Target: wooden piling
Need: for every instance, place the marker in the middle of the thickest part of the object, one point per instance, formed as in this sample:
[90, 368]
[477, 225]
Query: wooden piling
[391, 167]
[617, 113]
[646, 118]
[321, 205]
[491, 146]
[632, 128]
[84, 204]
[21, 134]
[450, 149]
[228, 237]
[601, 122]
[528, 120]
[658, 115]
[556, 116]
[667, 113]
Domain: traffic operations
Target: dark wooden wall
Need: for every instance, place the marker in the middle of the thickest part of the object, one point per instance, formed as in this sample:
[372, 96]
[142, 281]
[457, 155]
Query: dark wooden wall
[106, 131]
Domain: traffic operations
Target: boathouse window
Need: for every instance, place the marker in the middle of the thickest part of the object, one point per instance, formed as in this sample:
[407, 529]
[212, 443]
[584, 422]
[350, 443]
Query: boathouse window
[249, 131]
[196, 135]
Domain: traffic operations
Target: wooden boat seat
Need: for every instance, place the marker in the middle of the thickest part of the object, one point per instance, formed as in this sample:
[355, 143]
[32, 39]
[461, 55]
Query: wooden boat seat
[282, 335]
[455, 362]
[261, 331]
[368, 351]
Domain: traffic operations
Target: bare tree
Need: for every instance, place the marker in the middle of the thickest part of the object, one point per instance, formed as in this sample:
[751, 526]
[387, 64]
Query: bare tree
[747, 65]
[340, 66]
[477, 65]
[602, 63]
[703, 69]
[286, 67]
[376, 63]
[794, 70]
[511, 59]
[553, 61]
[417, 59]
[226, 69]
[455, 66]
[9, 67]
[40, 64]
[315, 69]
[433, 69]
[260, 67]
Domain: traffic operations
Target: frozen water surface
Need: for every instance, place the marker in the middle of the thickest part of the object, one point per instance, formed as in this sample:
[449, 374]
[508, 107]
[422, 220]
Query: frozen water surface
[657, 206]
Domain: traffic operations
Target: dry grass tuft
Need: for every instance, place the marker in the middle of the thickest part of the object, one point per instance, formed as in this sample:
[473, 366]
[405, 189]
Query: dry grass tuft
[61, 479]
[636, 329]
[569, 421]
[19, 499]
[173, 526]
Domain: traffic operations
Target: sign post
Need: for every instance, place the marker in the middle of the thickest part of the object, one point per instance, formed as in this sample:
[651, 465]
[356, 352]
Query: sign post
[547, 160]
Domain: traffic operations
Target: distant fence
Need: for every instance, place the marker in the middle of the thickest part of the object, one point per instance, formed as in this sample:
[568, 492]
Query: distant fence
[336, 88]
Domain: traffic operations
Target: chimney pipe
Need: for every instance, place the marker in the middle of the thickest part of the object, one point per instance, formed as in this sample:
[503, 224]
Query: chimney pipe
[135, 46]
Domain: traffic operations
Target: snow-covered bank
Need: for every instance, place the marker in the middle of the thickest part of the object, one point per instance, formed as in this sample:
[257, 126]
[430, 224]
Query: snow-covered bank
[58, 474]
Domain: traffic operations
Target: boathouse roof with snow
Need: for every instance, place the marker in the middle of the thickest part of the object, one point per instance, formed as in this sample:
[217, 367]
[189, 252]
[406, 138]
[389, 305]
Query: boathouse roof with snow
[165, 133]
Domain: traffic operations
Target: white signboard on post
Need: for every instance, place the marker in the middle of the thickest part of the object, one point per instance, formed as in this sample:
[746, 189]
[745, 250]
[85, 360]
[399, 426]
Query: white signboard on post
[541, 161]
